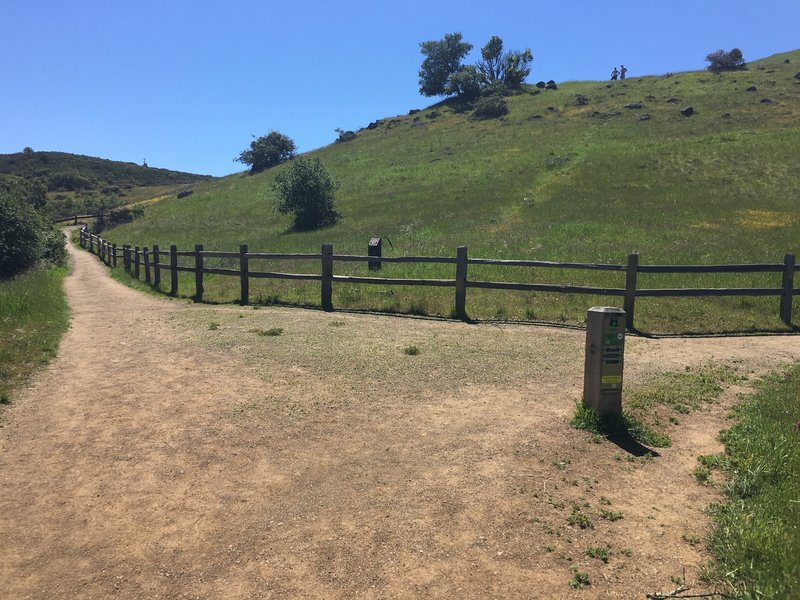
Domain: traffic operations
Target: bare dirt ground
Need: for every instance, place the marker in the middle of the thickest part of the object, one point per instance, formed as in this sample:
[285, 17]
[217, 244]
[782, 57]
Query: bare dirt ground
[173, 451]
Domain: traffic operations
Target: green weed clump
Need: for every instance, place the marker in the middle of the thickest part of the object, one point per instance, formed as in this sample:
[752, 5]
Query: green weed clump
[271, 332]
[627, 425]
[756, 537]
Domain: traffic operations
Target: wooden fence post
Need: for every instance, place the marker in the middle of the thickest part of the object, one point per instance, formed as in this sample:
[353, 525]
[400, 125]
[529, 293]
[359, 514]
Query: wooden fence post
[136, 262]
[461, 283]
[631, 275]
[126, 257]
[788, 289]
[146, 255]
[244, 276]
[156, 267]
[91, 243]
[173, 270]
[82, 239]
[198, 272]
[114, 255]
[327, 277]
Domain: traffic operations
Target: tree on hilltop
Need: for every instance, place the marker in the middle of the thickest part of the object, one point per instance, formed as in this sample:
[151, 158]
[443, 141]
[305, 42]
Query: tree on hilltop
[726, 61]
[509, 69]
[267, 151]
[442, 61]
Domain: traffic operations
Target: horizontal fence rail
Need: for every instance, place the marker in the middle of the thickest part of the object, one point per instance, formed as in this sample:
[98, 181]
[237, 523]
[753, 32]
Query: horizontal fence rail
[136, 259]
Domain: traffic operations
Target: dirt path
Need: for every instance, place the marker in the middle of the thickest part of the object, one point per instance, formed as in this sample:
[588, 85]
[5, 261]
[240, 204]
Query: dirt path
[174, 451]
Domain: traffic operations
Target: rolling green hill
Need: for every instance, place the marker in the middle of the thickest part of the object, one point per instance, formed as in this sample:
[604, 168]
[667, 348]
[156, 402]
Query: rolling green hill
[588, 172]
[72, 172]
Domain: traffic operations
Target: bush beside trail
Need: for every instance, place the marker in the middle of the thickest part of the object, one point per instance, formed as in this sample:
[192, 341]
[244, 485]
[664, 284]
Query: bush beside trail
[25, 233]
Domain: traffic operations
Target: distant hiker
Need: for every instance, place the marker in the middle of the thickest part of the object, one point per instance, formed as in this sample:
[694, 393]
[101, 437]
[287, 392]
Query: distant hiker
[614, 74]
[622, 71]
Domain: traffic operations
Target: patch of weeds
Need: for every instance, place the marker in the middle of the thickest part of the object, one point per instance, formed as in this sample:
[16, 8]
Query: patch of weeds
[605, 501]
[599, 552]
[590, 420]
[579, 580]
[271, 332]
[691, 539]
[702, 474]
[674, 421]
[213, 326]
[549, 548]
[626, 552]
[677, 580]
[712, 461]
[611, 515]
[597, 438]
[580, 519]
[411, 350]
[681, 408]
[336, 324]
[560, 465]
[5, 398]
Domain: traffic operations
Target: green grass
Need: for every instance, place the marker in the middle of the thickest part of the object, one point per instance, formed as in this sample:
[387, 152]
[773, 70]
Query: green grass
[756, 537]
[707, 189]
[33, 317]
[627, 425]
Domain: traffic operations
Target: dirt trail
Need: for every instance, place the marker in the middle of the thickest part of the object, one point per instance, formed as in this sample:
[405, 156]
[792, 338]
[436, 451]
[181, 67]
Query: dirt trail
[173, 451]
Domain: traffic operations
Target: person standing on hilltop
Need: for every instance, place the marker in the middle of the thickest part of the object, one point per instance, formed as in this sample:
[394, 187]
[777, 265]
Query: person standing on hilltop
[614, 74]
[622, 71]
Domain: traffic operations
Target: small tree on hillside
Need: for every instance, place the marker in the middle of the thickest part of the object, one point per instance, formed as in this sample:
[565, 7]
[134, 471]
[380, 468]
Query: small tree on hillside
[509, 69]
[726, 61]
[267, 151]
[306, 189]
[442, 61]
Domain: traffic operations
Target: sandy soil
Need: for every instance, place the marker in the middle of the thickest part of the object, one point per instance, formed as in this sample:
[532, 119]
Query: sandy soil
[172, 451]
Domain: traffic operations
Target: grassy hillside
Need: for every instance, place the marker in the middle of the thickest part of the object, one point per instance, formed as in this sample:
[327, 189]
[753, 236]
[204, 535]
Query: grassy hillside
[69, 172]
[556, 179]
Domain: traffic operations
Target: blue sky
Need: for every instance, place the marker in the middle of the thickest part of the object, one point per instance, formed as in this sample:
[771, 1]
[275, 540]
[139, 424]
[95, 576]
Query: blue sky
[185, 84]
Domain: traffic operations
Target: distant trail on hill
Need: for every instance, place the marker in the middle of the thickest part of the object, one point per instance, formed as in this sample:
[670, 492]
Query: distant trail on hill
[173, 450]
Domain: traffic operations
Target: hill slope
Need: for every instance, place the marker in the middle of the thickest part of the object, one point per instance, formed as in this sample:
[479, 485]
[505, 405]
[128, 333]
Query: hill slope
[71, 172]
[589, 172]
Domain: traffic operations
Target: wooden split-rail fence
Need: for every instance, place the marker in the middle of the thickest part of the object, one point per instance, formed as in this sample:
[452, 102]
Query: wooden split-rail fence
[151, 261]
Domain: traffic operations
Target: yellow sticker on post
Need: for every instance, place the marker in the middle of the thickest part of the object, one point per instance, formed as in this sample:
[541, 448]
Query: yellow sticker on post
[611, 379]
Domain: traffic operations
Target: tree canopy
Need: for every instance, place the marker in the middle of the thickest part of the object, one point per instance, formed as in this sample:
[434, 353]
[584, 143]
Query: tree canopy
[267, 151]
[726, 61]
[443, 74]
[442, 60]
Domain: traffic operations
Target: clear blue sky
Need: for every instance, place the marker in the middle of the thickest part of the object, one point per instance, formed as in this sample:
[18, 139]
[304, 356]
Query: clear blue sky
[185, 84]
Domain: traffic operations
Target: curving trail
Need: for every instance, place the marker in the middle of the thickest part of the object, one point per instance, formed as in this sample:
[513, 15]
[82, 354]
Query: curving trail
[171, 451]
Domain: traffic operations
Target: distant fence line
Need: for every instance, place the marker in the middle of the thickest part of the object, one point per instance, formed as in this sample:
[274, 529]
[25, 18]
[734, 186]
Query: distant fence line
[136, 259]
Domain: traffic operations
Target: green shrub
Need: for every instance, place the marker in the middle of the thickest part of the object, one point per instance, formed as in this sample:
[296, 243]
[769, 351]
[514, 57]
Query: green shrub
[306, 189]
[21, 232]
[490, 107]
